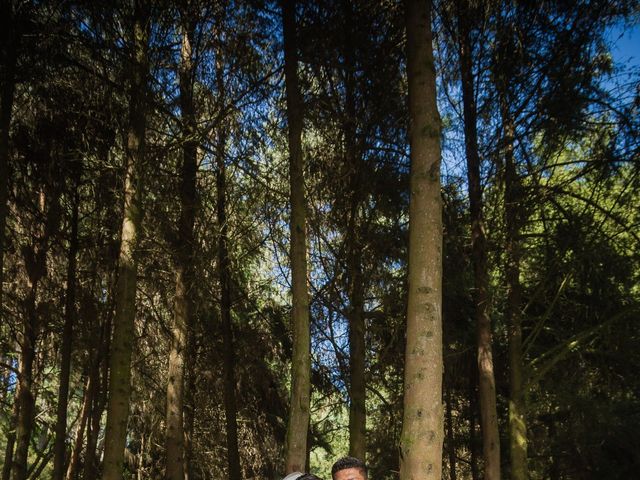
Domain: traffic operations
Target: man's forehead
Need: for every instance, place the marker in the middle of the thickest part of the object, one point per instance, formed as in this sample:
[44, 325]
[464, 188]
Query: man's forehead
[352, 473]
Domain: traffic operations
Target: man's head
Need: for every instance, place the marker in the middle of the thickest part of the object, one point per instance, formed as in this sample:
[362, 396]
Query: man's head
[349, 468]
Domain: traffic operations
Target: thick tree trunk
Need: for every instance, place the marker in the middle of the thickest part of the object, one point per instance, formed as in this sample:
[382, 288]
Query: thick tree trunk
[123, 328]
[422, 424]
[487, 386]
[184, 268]
[298, 424]
[355, 287]
[59, 447]
[512, 202]
[230, 409]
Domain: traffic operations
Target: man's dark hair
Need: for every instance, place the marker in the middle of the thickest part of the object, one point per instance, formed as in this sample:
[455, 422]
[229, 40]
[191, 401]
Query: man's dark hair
[349, 462]
[309, 476]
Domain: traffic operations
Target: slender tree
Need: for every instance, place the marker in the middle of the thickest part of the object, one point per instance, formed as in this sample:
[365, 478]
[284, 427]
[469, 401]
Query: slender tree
[299, 415]
[517, 418]
[224, 272]
[355, 280]
[123, 327]
[225, 278]
[487, 384]
[422, 422]
[59, 449]
[183, 263]
[35, 260]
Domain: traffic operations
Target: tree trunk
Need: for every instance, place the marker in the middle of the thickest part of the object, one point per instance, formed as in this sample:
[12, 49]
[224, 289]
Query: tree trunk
[422, 424]
[82, 424]
[11, 440]
[473, 408]
[184, 268]
[189, 415]
[298, 424]
[59, 447]
[36, 268]
[90, 466]
[36, 469]
[224, 275]
[487, 384]
[512, 199]
[98, 399]
[355, 287]
[450, 434]
[25, 397]
[230, 409]
[123, 331]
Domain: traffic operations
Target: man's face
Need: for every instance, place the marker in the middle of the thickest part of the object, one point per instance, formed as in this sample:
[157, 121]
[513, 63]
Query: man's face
[349, 474]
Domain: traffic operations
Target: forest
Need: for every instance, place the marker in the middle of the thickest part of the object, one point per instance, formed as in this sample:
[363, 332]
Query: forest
[243, 238]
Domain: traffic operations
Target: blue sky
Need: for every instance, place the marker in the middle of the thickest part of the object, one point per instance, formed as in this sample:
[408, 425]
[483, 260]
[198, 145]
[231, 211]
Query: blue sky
[626, 45]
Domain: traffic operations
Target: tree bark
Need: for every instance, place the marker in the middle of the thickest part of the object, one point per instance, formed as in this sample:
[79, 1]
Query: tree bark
[183, 269]
[512, 201]
[34, 256]
[487, 386]
[82, 425]
[98, 394]
[224, 276]
[98, 398]
[123, 331]
[473, 408]
[189, 416]
[25, 396]
[422, 425]
[450, 434]
[230, 408]
[355, 286]
[59, 447]
[298, 423]
[11, 440]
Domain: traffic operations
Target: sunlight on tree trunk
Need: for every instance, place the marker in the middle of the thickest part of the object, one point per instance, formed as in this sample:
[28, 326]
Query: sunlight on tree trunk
[123, 328]
[422, 424]
[487, 384]
[182, 321]
[298, 424]
[517, 420]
